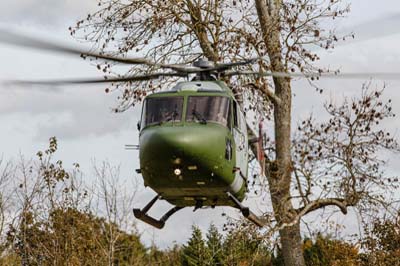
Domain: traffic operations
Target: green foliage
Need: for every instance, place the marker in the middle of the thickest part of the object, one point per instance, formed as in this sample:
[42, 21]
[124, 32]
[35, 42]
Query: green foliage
[194, 252]
[169, 257]
[241, 246]
[215, 252]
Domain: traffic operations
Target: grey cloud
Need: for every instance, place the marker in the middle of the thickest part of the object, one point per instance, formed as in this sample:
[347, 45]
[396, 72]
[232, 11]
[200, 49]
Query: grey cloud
[377, 28]
[69, 114]
[68, 111]
[44, 13]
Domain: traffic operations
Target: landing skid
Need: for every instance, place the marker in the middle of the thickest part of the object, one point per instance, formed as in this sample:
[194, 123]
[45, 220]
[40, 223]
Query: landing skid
[141, 214]
[246, 211]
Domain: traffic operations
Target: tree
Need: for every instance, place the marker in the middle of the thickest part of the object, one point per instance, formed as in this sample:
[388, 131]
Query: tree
[332, 252]
[194, 252]
[114, 205]
[73, 237]
[215, 252]
[245, 245]
[241, 246]
[55, 224]
[382, 242]
[336, 157]
[170, 257]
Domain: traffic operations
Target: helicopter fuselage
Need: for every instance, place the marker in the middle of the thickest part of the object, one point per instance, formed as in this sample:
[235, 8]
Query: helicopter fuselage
[196, 151]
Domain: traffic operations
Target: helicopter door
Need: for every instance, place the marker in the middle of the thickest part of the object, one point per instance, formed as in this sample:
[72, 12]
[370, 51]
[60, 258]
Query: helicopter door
[241, 144]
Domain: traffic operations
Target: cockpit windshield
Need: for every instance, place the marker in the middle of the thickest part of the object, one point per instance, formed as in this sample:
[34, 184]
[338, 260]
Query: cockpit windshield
[163, 109]
[208, 108]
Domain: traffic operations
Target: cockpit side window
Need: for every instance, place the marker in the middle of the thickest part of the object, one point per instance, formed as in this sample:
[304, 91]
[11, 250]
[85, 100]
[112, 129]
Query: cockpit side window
[143, 116]
[235, 115]
[208, 108]
[161, 110]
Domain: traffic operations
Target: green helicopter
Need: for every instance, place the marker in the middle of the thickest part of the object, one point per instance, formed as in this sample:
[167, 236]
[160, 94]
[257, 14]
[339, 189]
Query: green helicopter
[194, 146]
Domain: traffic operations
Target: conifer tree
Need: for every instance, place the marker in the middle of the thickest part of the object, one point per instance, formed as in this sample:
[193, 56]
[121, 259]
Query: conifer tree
[215, 254]
[194, 253]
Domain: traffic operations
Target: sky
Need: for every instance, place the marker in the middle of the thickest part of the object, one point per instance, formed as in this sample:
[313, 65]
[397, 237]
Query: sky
[87, 130]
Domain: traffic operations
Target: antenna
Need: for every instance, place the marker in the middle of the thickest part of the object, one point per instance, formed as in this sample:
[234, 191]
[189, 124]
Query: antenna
[131, 147]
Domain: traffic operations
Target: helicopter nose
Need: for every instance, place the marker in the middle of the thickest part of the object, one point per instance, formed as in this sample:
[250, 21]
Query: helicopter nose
[194, 143]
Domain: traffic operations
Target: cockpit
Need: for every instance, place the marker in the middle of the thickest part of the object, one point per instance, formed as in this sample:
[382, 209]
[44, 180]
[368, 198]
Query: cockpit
[188, 109]
[208, 109]
[161, 110]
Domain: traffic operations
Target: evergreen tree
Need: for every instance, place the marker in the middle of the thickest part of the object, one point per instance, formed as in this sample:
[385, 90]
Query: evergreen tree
[215, 254]
[194, 253]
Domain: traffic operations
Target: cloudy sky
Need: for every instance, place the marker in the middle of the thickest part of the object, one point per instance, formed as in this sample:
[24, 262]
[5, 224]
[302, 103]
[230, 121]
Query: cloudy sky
[81, 117]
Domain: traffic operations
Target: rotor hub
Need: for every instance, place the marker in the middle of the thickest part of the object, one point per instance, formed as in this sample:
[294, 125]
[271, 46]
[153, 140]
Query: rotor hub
[203, 63]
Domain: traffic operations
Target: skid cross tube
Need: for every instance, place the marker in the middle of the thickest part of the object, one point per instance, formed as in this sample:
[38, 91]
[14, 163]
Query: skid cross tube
[246, 211]
[141, 214]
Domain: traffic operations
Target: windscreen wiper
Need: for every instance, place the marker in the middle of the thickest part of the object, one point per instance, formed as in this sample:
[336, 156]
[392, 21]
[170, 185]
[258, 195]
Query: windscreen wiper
[172, 116]
[199, 117]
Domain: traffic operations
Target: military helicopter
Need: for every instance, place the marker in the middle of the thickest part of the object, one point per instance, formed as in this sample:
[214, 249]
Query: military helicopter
[193, 142]
[194, 146]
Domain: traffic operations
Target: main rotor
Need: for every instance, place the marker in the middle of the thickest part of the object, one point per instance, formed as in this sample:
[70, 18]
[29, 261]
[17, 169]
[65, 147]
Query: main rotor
[203, 69]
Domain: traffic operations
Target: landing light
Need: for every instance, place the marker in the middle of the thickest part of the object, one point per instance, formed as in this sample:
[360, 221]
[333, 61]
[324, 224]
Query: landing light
[177, 172]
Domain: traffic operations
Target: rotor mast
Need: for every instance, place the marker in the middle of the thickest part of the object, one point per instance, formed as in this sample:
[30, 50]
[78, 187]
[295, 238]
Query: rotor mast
[204, 75]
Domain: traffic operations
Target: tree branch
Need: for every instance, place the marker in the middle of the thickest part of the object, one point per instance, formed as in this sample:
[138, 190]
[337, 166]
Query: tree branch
[270, 94]
[342, 204]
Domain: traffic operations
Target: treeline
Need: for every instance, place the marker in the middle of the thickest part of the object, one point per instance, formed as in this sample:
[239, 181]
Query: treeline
[48, 217]
[71, 237]
[246, 246]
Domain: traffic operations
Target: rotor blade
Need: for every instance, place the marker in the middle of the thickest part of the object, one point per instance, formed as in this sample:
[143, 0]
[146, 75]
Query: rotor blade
[92, 81]
[355, 75]
[12, 38]
[226, 66]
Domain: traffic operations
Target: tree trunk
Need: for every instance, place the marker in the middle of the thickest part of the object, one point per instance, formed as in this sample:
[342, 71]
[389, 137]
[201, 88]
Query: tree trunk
[292, 250]
[279, 177]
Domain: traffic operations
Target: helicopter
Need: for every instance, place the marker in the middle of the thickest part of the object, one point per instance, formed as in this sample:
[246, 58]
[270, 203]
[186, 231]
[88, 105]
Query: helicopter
[193, 138]
[194, 147]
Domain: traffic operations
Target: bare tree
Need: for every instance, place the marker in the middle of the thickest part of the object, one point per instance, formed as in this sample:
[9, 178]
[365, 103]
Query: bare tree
[7, 173]
[53, 221]
[298, 169]
[115, 198]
